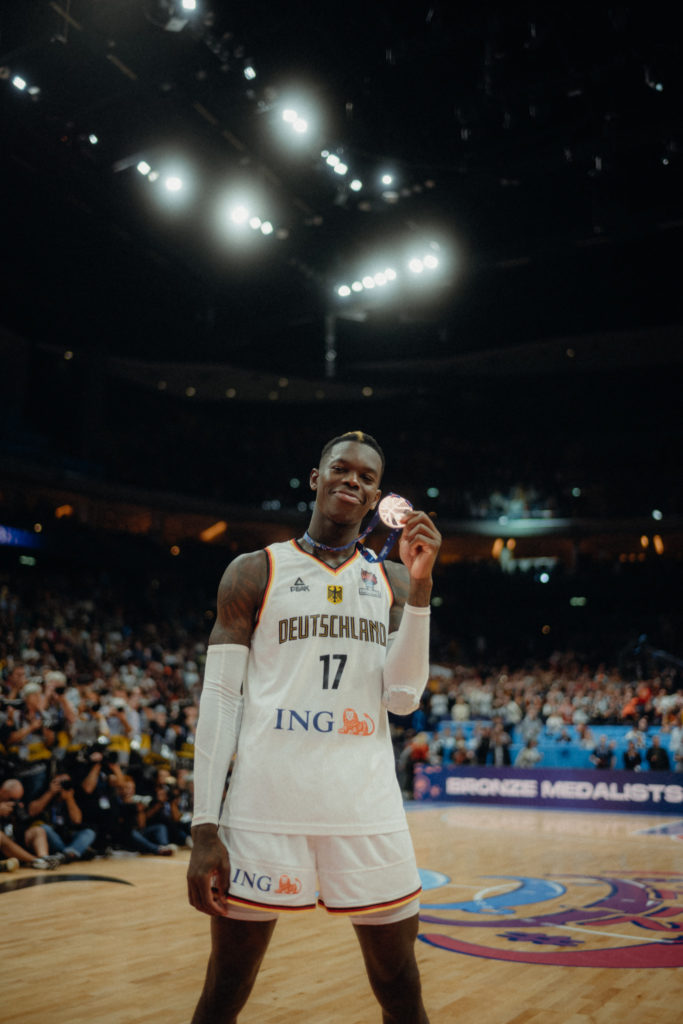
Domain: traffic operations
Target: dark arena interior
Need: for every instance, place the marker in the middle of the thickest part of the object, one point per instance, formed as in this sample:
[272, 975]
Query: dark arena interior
[233, 231]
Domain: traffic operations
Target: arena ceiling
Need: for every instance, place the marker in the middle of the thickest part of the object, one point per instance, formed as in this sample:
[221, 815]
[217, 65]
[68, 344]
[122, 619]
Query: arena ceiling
[535, 152]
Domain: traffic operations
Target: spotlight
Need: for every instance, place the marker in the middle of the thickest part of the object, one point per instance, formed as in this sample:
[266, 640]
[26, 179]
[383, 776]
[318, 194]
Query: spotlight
[171, 15]
[267, 228]
[416, 265]
[386, 179]
[356, 185]
[143, 167]
[19, 83]
[343, 291]
[249, 73]
[239, 215]
[340, 168]
[289, 115]
[173, 183]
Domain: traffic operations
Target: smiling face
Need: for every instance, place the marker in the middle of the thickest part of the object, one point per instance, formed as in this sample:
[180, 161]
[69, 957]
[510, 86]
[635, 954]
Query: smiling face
[347, 482]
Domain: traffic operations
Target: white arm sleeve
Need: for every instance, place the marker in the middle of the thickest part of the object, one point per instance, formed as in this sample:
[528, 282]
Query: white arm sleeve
[406, 669]
[218, 726]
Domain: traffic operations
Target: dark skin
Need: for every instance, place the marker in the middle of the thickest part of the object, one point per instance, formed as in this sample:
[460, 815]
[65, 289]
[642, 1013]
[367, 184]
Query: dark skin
[347, 487]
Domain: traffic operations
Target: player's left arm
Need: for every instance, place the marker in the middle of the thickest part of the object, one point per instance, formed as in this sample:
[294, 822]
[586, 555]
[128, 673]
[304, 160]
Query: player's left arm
[406, 669]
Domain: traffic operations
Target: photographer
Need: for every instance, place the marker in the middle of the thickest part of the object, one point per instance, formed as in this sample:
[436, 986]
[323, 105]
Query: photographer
[99, 775]
[164, 811]
[131, 831]
[58, 821]
[13, 823]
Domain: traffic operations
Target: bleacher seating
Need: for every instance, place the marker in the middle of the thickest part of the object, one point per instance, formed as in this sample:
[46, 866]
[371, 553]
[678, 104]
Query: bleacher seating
[560, 753]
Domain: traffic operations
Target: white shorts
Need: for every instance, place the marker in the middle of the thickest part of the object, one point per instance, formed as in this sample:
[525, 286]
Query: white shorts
[373, 878]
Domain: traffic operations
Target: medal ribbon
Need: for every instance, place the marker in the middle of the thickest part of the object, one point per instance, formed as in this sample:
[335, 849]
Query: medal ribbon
[370, 556]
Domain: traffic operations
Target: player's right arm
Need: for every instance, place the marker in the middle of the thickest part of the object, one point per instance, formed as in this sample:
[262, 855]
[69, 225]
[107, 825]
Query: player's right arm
[240, 593]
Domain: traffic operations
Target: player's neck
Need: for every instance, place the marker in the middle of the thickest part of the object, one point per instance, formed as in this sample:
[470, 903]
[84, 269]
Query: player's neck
[321, 536]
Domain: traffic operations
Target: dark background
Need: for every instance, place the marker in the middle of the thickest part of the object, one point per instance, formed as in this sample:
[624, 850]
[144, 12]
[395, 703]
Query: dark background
[538, 145]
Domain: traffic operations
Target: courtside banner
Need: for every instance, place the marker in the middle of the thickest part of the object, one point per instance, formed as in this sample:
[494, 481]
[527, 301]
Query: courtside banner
[655, 792]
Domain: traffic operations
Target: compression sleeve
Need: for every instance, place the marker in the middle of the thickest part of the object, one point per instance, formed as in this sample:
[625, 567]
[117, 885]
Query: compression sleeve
[406, 669]
[218, 726]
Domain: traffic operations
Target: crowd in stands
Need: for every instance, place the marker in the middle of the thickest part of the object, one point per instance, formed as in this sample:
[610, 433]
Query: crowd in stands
[99, 704]
[559, 714]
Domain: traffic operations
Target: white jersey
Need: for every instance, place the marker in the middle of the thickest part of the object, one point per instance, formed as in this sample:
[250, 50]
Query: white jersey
[314, 754]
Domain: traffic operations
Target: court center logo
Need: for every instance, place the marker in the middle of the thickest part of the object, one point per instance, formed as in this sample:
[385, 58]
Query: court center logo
[630, 920]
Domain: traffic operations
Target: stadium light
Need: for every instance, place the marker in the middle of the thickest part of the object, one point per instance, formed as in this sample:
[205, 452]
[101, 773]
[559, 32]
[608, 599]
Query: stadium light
[239, 214]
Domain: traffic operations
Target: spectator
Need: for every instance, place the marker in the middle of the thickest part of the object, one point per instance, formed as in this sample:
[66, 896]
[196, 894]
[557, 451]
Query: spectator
[586, 737]
[499, 744]
[657, 756]
[32, 738]
[460, 712]
[531, 726]
[483, 744]
[638, 733]
[603, 756]
[442, 746]
[632, 758]
[529, 756]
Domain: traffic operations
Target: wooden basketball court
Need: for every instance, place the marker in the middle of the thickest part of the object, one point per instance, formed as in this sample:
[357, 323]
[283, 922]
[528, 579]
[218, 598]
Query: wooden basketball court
[534, 916]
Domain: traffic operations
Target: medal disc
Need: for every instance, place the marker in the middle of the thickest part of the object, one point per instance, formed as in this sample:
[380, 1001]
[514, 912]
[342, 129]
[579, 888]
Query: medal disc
[392, 510]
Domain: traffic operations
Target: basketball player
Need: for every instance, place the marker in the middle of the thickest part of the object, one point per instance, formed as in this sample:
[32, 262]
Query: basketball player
[311, 645]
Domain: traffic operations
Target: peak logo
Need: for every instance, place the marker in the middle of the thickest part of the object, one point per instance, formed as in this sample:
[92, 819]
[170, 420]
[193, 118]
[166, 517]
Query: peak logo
[633, 920]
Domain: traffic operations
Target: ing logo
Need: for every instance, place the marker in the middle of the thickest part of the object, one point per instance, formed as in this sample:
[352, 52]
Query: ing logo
[352, 723]
[633, 920]
[288, 886]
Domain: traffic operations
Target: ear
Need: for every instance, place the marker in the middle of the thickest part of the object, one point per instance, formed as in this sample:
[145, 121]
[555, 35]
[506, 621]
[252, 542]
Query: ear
[313, 478]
